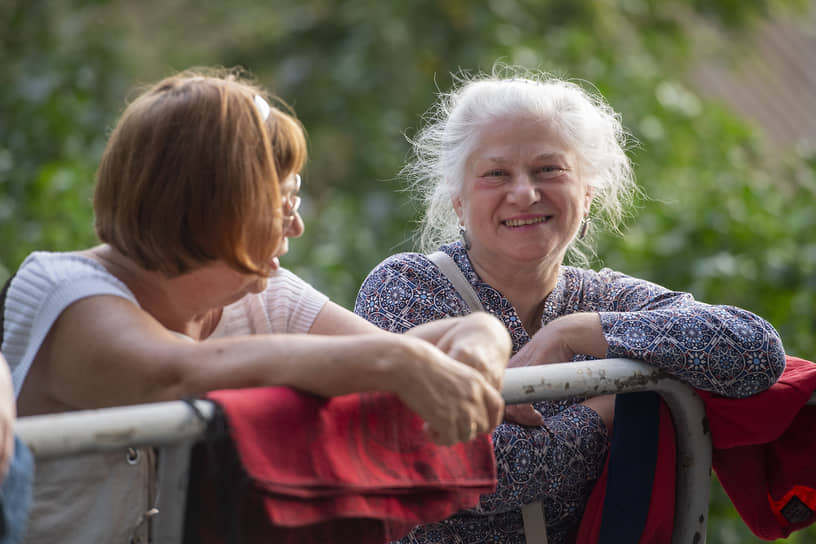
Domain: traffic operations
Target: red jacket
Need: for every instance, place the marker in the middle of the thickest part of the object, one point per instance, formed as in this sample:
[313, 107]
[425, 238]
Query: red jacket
[764, 454]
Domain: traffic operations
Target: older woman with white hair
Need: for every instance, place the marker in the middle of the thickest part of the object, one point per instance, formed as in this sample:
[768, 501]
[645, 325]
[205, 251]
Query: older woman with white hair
[516, 169]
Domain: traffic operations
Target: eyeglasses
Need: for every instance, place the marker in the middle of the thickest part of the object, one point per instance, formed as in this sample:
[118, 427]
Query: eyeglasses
[290, 203]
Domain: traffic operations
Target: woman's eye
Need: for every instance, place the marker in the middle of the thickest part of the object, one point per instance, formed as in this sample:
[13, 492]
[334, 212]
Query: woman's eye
[550, 170]
[495, 173]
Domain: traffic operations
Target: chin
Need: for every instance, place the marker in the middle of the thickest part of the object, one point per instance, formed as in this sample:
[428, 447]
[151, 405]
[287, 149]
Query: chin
[257, 286]
[534, 257]
[284, 247]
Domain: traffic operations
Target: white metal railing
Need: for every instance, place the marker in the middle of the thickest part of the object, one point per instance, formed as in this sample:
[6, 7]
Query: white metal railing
[173, 427]
[613, 376]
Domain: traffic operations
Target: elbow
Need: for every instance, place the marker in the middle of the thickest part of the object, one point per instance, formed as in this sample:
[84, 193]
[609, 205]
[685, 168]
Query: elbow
[769, 363]
[776, 358]
[167, 382]
[774, 353]
[755, 362]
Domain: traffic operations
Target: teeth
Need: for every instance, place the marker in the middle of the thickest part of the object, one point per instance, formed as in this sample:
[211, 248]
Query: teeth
[522, 222]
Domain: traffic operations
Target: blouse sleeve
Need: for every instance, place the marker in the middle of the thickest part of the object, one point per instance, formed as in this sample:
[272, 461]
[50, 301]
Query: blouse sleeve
[722, 349]
[402, 292]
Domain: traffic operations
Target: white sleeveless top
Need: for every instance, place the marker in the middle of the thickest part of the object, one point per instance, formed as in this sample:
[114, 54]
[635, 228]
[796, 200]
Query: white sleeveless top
[104, 497]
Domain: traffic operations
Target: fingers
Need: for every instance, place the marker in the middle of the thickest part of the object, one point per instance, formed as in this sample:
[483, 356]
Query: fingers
[469, 431]
[457, 401]
[465, 432]
[523, 414]
[491, 366]
[494, 405]
[479, 410]
[481, 342]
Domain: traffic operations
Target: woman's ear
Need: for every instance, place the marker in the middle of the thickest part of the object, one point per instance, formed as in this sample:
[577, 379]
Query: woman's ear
[457, 208]
[588, 199]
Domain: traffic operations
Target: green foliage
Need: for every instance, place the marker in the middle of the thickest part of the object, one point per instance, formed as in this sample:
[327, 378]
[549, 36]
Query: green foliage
[725, 218]
[59, 84]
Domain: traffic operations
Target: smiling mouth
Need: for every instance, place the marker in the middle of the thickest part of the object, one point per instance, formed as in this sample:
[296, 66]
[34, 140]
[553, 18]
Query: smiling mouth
[525, 222]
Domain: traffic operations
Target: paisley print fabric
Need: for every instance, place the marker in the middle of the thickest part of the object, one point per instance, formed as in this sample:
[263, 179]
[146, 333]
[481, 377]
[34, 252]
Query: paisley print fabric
[722, 349]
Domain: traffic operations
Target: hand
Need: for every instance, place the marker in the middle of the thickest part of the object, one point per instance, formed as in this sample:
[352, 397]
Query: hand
[480, 341]
[7, 415]
[562, 339]
[523, 414]
[456, 401]
[557, 342]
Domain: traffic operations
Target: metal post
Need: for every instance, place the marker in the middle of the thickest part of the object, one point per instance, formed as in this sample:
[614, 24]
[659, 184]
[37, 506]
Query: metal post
[173, 478]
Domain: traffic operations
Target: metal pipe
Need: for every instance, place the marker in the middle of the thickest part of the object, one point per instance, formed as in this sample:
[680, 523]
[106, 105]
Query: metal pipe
[110, 429]
[174, 425]
[613, 376]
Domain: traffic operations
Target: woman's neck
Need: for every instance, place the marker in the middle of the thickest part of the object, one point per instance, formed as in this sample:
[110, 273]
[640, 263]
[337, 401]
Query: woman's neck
[173, 303]
[525, 285]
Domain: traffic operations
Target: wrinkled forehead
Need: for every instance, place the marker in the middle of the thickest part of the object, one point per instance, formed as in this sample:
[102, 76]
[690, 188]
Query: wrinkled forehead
[511, 137]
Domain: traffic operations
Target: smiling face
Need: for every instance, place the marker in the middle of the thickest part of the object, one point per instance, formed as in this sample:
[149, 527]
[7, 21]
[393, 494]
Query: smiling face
[523, 196]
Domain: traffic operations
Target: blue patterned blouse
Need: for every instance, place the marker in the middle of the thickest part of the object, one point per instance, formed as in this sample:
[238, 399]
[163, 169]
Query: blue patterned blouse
[722, 349]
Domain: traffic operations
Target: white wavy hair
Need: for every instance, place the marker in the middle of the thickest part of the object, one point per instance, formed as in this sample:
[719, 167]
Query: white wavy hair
[583, 119]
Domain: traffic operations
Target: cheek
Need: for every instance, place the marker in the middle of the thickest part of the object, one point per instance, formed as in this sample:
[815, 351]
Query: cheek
[283, 248]
[480, 206]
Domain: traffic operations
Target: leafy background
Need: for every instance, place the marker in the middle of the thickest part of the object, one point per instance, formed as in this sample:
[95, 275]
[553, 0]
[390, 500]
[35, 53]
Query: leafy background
[728, 217]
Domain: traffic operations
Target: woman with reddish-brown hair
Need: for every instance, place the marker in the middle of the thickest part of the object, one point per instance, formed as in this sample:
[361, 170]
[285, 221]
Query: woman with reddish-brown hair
[195, 197]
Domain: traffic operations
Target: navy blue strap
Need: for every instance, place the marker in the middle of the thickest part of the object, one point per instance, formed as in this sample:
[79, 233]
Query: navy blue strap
[632, 462]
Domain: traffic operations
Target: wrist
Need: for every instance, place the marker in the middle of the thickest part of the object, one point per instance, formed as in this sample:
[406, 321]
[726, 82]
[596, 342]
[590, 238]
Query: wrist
[581, 333]
[397, 368]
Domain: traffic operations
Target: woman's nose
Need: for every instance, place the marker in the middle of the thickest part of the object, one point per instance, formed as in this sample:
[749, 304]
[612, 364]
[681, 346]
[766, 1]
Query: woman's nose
[295, 227]
[523, 190]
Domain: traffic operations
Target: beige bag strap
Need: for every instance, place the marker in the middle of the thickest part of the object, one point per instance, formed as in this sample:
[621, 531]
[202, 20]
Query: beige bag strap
[459, 281]
[535, 528]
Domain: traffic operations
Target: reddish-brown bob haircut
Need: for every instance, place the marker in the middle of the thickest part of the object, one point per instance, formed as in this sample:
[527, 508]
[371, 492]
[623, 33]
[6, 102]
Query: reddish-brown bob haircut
[191, 175]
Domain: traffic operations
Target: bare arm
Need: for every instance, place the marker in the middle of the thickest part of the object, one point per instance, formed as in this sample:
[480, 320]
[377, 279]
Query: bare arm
[126, 357]
[478, 340]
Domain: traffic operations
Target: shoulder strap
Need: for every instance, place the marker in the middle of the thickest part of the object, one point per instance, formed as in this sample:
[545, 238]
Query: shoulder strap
[535, 528]
[459, 281]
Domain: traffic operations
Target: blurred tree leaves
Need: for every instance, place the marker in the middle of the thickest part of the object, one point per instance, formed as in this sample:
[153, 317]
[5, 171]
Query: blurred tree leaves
[59, 83]
[727, 217]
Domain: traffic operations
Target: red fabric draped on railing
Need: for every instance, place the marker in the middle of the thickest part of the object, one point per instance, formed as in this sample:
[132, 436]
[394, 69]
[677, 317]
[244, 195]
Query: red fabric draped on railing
[357, 468]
